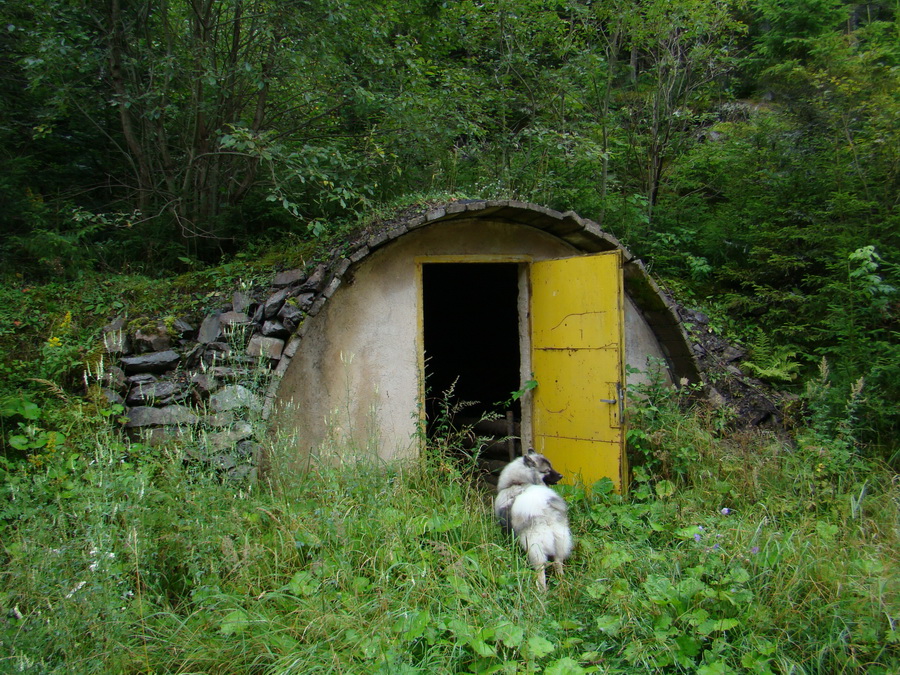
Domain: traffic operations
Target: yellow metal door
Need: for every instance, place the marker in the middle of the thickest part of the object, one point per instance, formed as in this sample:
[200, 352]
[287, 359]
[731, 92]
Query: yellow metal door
[577, 356]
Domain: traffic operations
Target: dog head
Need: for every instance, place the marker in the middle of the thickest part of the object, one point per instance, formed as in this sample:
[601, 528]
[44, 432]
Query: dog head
[549, 475]
[531, 469]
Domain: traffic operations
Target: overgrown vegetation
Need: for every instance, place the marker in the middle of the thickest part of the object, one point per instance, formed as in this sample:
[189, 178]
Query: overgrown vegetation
[729, 555]
[158, 156]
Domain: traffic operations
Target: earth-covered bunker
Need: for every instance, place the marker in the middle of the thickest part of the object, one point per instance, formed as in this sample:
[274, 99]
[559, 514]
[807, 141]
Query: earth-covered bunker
[483, 298]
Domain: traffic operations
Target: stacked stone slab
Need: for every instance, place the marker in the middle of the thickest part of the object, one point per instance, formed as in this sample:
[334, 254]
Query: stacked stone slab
[178, 382]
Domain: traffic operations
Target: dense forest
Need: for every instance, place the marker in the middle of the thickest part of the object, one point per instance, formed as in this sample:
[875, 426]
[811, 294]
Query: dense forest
[747, 149]
[157, 156]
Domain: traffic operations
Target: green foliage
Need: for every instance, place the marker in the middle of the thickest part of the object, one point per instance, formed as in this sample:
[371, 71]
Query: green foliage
[662, 439]
[402, 569]
[792, 205]
[29, 438]
[770, 361]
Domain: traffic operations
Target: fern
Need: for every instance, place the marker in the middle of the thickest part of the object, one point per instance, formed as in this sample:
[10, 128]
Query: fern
[772, 362]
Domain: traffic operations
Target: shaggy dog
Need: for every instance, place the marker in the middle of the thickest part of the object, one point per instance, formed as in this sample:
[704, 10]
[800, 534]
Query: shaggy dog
[534, 512]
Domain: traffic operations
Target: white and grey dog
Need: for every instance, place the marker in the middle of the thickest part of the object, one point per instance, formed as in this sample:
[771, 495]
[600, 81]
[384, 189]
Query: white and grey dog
[534, 512]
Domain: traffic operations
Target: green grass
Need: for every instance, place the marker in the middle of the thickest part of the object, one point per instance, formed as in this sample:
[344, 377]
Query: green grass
[117, 557]
[125, 559]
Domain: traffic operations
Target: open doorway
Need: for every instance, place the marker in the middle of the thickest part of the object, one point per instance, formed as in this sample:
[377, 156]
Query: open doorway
[472, 346]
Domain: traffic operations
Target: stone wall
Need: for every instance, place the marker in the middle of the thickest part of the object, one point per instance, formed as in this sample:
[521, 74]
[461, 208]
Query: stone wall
[210, 383]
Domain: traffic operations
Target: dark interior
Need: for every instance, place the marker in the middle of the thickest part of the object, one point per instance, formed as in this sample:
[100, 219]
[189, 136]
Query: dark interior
[471, 336]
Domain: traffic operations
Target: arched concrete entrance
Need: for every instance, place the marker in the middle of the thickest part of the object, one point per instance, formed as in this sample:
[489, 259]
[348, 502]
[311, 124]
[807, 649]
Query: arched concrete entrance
[462, 283]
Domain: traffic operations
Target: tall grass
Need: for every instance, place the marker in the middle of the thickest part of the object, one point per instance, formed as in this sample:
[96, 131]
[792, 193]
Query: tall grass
[756, 555]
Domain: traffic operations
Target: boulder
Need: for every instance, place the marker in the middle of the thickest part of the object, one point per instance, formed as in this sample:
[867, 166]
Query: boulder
[222, 462]
[240, 302]
[224, 440]
[248, 449]
[112, 397]
[233, 397]
[288, 278]
[194, 355]
[182, 327]
[115, 339]
[275, 329]
[156, 393]
[203, 384]
[140, 378]
[291, 315]
[157, 362]
[210, 329]
[305, 301]
[316, 281]
[242, 472]
[274, 303]
[114, 378]
[158, 436]
[265, 346]
[225, 419]
[233, 318]
[145, 416]
[152, 339]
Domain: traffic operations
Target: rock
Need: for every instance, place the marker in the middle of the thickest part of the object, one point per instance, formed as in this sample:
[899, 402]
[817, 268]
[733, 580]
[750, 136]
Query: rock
[116, 324]
[732, 353]
[241, 302]
[716, 399]
[210, 329]
[194, 355]
[145, 416]
[233, 318]
[316, 281]
[225, 419]
[265, 347]
[259, 313]
[116, 342]
[288, 278]
[115, 339]
[750, 403]
[274, 303]
[275, 329]
[224, 440]
[693, 316]
[157, 393]
[182, 327]
[203, 384]
[291, 315]
[233, 397]
[226, 372]
[152, 339]
[222, 462]
[305, 301]
[157, 362]
[157, 436]
[216, 352]
[112, 397]
[247, 449]
[141, 378]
